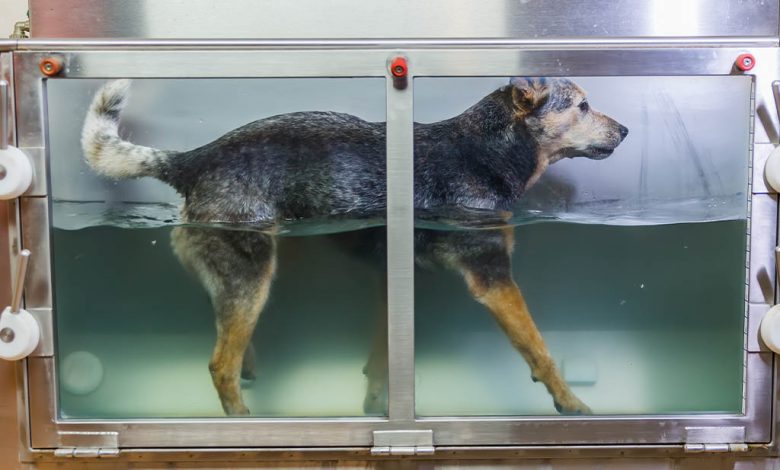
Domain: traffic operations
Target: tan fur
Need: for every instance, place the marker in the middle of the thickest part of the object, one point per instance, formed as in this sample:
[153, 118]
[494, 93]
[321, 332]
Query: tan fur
[541, 166]
[506, 303]
[527, 94]
[237, 309]
[571, 131]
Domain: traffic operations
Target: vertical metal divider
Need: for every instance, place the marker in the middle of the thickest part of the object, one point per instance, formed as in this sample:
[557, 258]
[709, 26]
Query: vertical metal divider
[400, 251]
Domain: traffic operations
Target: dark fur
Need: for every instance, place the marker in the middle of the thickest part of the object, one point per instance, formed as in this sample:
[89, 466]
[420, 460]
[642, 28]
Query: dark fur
[325, 164]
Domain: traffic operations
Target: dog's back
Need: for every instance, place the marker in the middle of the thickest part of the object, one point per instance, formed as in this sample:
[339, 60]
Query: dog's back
[286, 167]
[327, 164]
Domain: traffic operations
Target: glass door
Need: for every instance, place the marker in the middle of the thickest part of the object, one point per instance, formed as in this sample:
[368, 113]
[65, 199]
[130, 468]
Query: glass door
[593, 245]
[252, 237]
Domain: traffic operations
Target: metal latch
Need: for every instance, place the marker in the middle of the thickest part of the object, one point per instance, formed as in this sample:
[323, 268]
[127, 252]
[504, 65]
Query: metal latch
[87, 444]
[402, 442]
[715, 439]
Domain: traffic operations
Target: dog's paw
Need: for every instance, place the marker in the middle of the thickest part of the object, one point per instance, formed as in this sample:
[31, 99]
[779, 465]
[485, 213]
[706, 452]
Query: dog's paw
[238, 410]
[572, 406]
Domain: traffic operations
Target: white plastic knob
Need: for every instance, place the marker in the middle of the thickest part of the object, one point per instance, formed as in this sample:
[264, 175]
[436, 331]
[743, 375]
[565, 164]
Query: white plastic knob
[19, 334]
[770, 329]
[772, 169]
[16, 171]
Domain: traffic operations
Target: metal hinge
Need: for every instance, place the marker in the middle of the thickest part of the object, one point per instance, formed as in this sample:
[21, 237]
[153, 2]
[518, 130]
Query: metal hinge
[401, 442]
[86, 444]
[715, 439]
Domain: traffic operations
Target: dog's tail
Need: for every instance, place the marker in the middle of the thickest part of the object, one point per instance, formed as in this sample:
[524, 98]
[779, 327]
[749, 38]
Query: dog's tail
[105, 152]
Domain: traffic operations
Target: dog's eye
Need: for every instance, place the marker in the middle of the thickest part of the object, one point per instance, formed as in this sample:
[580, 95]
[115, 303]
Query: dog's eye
[584, 106]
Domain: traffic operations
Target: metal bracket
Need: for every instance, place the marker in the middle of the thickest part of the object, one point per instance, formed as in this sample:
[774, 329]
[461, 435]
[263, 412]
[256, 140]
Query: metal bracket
[715, 439]
[91, 445]
[403, 442]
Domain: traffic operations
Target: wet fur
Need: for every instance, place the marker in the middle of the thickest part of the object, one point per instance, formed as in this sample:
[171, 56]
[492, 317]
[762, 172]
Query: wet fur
[327, 164]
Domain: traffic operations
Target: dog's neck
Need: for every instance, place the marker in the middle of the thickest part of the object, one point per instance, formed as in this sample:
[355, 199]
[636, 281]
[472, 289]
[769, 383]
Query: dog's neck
[494, 119]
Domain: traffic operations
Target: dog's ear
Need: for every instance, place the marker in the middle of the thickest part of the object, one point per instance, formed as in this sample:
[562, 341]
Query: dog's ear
[528, 94]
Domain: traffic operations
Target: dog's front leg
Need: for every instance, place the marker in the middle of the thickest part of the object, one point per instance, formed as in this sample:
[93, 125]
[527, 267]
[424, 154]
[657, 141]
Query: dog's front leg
[483, 257]
[505, 301]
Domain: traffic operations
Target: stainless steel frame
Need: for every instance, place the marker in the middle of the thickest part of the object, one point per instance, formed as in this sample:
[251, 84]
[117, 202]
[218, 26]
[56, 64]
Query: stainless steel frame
[353, 436]
[402, 19]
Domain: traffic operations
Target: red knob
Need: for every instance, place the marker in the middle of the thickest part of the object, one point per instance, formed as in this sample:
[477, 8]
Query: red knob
[399, 67]
[745, 62]
[50, 66]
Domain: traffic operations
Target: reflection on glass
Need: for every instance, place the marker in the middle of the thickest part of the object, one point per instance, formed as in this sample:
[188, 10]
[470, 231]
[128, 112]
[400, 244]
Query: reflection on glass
[631, 267]
[136, 334]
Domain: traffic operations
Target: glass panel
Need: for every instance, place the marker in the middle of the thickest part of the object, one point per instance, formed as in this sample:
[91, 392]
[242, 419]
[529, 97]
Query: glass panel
[136, 330]
[629, 257]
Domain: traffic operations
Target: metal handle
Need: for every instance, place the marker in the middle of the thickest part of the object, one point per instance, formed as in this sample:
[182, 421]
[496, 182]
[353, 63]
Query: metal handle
[3, 114]
[776, 93]
[21, 273]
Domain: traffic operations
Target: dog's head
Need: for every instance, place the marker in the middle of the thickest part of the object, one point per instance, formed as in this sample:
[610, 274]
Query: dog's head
[556, 112]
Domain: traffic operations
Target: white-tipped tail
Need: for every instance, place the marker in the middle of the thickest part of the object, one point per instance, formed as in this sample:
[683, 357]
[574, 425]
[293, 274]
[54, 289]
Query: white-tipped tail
[105, 152]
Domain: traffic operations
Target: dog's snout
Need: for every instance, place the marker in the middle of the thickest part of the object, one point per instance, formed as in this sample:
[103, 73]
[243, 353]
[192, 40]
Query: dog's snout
[623, 131]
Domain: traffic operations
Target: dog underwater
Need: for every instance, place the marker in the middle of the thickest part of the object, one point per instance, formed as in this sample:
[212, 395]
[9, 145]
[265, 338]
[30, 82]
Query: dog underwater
[310, 165]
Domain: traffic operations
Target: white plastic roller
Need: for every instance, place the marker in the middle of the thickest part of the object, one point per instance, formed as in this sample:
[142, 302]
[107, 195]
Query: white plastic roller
[770, 329]
[19, 330]
[16, 171]
[772, 169]
[19, 334]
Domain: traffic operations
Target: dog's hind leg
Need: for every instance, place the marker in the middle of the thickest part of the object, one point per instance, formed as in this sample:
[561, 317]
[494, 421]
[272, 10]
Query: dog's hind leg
[483, 257]
[236, 268]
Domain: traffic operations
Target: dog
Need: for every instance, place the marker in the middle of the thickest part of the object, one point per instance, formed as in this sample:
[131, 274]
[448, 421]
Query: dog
[325, 164]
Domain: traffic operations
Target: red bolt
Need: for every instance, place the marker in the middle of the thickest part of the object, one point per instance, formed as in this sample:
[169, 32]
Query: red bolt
[745, 62]
[50, 66]
[399, 67]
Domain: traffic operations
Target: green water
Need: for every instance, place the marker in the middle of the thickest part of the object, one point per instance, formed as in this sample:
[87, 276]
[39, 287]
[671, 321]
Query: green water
[122, 296]
[643, 319]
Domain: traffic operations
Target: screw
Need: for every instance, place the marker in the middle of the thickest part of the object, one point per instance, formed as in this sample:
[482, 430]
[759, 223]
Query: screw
[50, 66]
[399, 67]
[745, 62]
[7, 335]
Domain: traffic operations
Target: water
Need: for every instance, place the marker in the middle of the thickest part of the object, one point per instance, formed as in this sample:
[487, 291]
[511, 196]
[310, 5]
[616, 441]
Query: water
[643, 319]
[633, 267]
[121, 296]
[75, 215]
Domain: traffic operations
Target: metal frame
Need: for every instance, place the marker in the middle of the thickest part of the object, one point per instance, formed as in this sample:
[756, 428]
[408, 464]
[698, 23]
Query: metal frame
[137, 59]
[471, 19]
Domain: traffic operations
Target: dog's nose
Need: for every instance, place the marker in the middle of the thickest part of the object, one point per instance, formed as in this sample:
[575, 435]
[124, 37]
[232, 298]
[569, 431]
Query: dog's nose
[623, 131]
